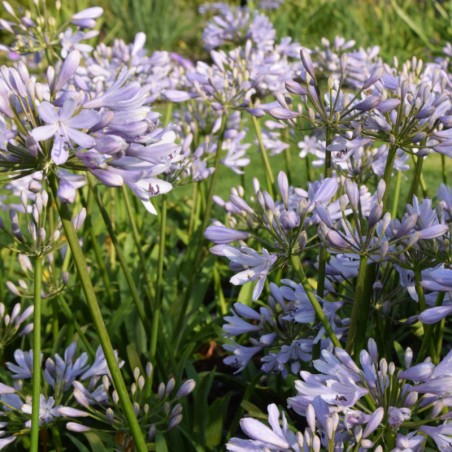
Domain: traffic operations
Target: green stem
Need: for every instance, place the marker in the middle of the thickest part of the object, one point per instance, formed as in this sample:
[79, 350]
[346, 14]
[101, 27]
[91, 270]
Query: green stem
[122, 261]
[268, 169]
[416, 178]
[419, 290]
[359, 304]
[438, 341]
[194, 209]
[327, 169]
[297, 266]
[322, 270]
[308, 169]
[443, 169]
[159, 281]
[98, 321]
[136, 237]
[428, 333]
[219, 290]
[323, 253]
[36, 391]
[398, 186]
[392, 151]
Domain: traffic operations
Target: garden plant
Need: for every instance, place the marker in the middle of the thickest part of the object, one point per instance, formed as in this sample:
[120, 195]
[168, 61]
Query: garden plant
[245, 248]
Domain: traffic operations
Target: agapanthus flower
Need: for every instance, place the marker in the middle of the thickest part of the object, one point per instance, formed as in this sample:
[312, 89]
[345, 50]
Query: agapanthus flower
[161, 411]
[105, 128]
[275, 437]
[283, 332]
[234, 25]
[14, 323]
[64, 127]
[375, 385]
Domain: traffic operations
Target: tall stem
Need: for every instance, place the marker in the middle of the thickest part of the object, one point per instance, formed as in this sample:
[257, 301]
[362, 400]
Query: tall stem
[323, 255]
[194, 208]
[443, 169]
[36, 391]
[297, 266]
[416, 178]
[268, 169]
[159, 281]
[395, 204]
[392, 151]
[98, 321]
[327, 167]
[359, 304]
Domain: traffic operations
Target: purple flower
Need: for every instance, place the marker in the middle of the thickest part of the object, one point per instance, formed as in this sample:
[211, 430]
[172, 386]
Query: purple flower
[87, 17]
[220, 234]
[275, 437]
[256, 266]
[23, 368]
[62, 125]
[442, 435]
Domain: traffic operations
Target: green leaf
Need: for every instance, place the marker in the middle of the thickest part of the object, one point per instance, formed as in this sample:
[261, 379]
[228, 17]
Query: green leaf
[201, 406]
[246, 293]
[217, 413]
[160, 443]
[411, 23]
[95, 442]
[134, 359]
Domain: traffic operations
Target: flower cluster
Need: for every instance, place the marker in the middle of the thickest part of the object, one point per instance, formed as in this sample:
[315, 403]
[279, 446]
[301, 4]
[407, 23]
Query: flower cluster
[371, 407]
[78, 119]
[81, 395]
[285, 330]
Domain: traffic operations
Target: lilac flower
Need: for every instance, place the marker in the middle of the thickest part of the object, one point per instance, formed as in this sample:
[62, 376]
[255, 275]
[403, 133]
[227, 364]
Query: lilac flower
[413, 442]
[284, 332]
[162, 410]
[64, 127]
[442, 435]
[24, 366]
[262, 437]
[47, 411]
[221, 235]
[61, 372]
[344, 386]
[11, 323]
[256, 266]
[86, 18]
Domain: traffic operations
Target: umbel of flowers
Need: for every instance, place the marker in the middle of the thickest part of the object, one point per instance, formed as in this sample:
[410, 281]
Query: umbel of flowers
[61, 129]
[371, 406]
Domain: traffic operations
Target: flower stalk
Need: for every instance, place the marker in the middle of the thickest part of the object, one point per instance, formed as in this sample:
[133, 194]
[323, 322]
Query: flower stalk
[268, 169]
[98, 321]
[296, 263]
[36, 390]
[360, 309]
[387, 176]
